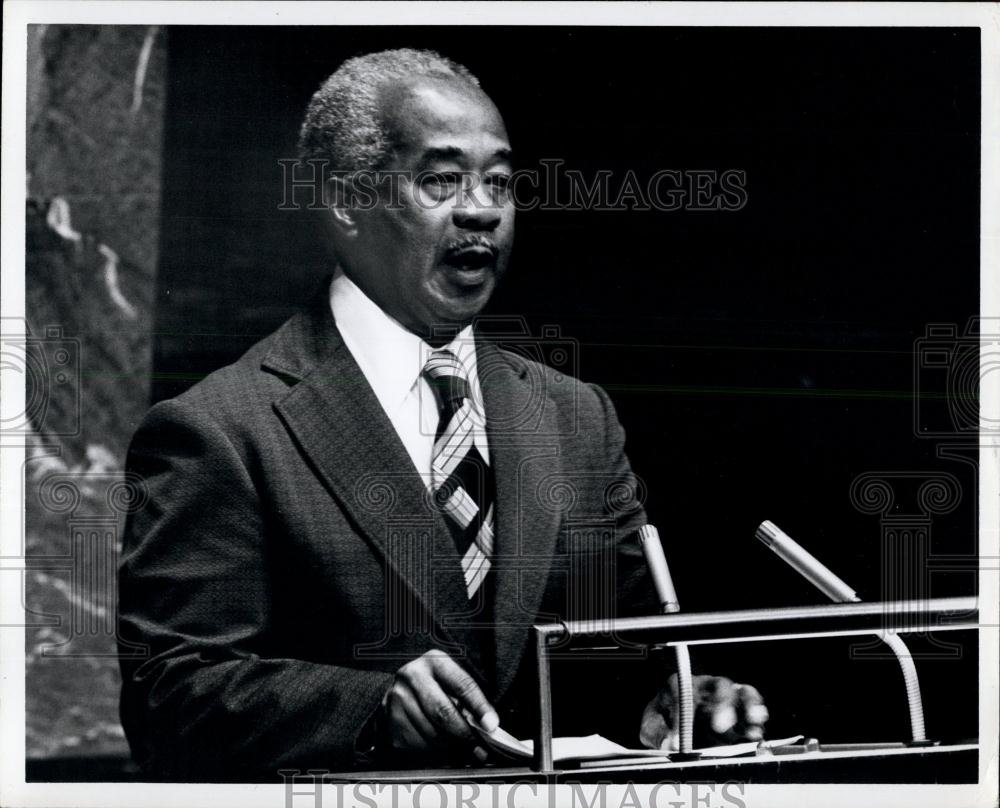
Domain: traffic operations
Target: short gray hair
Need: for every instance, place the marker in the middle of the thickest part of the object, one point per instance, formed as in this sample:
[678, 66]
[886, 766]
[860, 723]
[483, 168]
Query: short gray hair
[342, 125]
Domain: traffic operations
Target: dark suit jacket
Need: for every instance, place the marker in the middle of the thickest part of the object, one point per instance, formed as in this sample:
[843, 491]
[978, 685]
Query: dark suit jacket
[286, 560]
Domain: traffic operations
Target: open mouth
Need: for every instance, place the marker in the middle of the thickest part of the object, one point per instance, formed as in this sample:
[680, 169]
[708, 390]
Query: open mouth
[471, 263]
[471, 258]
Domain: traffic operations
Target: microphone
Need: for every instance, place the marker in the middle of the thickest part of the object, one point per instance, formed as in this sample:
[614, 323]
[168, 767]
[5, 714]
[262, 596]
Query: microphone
[805, 563]
[652, 548]
[823, 578]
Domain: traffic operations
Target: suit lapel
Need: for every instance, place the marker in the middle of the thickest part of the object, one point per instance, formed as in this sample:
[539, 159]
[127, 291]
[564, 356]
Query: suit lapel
[524, 451]
[339, 424]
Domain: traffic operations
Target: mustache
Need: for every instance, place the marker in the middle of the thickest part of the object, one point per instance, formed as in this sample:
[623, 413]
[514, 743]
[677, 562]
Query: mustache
[473, 240]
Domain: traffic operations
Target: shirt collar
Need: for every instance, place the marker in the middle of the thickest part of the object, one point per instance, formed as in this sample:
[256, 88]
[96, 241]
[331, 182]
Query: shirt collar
[390, 356]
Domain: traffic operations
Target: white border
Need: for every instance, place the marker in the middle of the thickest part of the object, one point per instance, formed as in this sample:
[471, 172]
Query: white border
[18, 13]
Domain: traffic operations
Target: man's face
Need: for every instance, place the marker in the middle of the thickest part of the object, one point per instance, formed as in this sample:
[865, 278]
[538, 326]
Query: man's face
[433, 248]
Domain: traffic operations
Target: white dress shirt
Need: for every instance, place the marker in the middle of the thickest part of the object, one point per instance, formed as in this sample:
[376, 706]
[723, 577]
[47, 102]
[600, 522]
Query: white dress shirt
[392, 360]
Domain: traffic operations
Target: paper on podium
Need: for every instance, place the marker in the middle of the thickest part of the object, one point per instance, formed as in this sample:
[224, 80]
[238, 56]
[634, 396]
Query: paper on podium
[747, 748]
[597, 747]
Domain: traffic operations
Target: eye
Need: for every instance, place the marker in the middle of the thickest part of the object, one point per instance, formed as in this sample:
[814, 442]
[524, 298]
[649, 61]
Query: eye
[440, 185]
[499, 182]
[440, 179]
[498, 186]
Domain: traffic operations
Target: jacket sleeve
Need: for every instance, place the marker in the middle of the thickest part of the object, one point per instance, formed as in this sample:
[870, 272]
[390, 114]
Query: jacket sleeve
[623, 500]
[211, 700]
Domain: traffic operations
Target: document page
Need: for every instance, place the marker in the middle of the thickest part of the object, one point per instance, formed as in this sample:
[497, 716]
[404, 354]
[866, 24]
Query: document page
[591, 747]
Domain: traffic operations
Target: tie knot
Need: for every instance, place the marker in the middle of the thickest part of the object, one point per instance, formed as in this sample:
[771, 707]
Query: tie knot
[448, 379]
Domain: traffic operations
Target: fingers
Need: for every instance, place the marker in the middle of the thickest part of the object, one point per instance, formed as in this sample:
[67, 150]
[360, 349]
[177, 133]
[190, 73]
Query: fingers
[410, 715]
[405, 734]
[458, 683]
[725, 712]
[752, 704]
[729, 712]
[420, 682]
[654, 726]
[425, 703]
[715, 697]
[752, 713]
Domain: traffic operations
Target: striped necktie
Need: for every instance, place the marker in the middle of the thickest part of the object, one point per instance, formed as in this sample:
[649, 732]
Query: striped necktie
[462, 480]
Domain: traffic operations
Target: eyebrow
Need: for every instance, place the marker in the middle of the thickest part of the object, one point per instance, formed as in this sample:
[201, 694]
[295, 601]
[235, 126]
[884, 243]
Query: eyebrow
[454, 153]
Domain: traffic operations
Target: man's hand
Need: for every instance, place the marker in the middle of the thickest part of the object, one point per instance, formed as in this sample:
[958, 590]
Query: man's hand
[725, 713]
[423, 708]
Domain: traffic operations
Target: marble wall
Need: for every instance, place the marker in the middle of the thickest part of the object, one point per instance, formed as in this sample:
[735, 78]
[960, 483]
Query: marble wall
[96, 97]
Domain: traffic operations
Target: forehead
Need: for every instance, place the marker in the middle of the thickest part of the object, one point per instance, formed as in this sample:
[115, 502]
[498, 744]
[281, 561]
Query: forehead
[433, 112]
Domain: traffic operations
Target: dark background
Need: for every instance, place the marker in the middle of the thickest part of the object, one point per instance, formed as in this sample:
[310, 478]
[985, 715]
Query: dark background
[760, 360]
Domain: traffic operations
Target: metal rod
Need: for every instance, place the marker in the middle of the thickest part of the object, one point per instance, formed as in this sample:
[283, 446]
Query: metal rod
[685, 702]
[652, 548]
[937, 614]
[543, 738]
[912, 683]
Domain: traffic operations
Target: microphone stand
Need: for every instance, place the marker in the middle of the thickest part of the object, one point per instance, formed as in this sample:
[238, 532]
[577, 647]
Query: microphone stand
[809, 567]
[652, 548]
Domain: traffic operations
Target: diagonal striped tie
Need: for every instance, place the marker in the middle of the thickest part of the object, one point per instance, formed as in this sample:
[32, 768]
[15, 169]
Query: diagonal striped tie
[462, 480]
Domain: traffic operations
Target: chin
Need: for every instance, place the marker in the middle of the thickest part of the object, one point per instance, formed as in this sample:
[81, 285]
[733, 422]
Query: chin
[460, 312]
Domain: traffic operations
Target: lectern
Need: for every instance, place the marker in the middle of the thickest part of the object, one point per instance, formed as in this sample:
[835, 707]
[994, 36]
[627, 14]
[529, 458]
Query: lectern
[663, 631]
[890, 762]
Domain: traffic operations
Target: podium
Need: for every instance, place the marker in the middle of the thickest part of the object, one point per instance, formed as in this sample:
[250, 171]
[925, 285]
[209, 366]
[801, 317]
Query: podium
[958, 763]
[861, 763]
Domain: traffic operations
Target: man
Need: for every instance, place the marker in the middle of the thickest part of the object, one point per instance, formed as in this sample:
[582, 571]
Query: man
[349, 532]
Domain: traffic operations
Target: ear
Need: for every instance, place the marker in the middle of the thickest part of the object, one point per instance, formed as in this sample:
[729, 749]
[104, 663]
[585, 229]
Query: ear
[342, 214]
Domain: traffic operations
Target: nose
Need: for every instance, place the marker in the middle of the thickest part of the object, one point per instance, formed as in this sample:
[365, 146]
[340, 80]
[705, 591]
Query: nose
[477, 209]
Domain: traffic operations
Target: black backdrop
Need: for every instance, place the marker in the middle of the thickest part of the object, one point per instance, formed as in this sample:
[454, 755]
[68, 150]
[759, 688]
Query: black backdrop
[760, 360]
